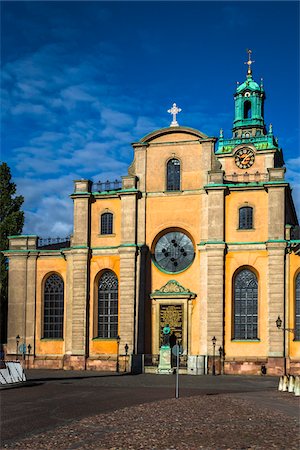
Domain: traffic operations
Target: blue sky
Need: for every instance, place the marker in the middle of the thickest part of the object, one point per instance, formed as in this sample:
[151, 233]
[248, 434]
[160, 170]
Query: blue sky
[82, 80]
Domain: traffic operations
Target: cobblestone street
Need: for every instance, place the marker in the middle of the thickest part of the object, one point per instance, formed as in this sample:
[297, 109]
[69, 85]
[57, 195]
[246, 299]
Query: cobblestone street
[212, 413]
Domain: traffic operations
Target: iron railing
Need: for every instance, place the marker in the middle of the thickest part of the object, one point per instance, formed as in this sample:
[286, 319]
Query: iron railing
[101, 186]
[54, 243]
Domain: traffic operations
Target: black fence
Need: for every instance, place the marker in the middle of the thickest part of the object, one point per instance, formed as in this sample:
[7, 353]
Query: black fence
[51, 243]
[102, 186]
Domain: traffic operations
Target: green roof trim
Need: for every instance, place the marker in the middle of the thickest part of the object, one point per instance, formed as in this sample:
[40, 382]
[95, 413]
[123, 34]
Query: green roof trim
[22, 236]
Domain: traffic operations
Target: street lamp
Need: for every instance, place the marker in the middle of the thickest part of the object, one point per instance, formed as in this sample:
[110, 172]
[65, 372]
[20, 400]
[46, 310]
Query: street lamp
[118, 347]
[214, 340]
[17, 346]
[29, 350]
[221, 354]
[290, 330]
[126, 353]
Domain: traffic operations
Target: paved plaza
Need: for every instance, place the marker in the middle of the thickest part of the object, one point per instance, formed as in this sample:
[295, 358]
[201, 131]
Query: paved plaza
[92, 410]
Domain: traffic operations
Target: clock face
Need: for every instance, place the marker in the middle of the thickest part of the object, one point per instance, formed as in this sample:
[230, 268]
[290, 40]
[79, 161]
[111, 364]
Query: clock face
[244, 158]
[174, 251]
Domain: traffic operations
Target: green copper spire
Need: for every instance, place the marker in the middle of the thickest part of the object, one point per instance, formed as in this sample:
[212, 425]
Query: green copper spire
[249, 105]
[249, 124]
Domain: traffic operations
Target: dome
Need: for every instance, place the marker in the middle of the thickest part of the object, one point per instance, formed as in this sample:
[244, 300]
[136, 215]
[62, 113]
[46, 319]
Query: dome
[249, 84]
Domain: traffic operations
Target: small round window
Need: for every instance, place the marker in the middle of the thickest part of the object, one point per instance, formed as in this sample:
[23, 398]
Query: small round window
[174, 252]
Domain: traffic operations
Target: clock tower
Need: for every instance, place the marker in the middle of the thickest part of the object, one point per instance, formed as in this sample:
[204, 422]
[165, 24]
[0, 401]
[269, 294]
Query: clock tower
[252, 145]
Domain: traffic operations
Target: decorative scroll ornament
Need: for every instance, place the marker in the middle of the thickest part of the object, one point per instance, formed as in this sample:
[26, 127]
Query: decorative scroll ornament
[174, 111]
[173, 286]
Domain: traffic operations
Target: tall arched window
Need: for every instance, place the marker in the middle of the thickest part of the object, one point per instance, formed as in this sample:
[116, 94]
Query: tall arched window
[53, 307]
[245, 305]
[297, 308]
[173, 175]
[108, 305]
[247, 110]
[107, 223]
[245, 218]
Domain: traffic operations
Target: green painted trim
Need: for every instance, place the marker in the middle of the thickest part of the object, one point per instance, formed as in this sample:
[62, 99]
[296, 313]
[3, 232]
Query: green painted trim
[128, 245]
[170, 273]
[160, 294]
[118, 191]
[246, 243]
[212, 242]
[252, 184]
[110, 247]
[245, 340]
[81, 193]
[22, 236]
[19, 251]
[294, 241]
[276, 240]
[75, 247]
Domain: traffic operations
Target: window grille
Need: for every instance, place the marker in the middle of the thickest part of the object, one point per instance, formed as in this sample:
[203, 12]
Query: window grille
[297, 309]
[245, 305]
[245, 218]
[53, 307]
[108, 306]
[173, 175]
[107, 223]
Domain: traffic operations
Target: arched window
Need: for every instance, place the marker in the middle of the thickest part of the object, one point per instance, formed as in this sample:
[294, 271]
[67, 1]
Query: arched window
[247, 110]
[107, 223]
[53, 307]
[297, 309]
[108, 305]
[173, 175]
[245, 305]
[245, 218]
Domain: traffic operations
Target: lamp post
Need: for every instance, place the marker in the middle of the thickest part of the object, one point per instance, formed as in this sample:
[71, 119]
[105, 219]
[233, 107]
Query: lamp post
[214, 340]
[289, 330]
[118, 347]
[221, 354]
[29, 350]
[17, 346]
[126, 353]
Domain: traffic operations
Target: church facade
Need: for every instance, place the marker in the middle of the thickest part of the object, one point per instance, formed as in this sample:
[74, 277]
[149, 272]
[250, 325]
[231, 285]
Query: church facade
[201, 235]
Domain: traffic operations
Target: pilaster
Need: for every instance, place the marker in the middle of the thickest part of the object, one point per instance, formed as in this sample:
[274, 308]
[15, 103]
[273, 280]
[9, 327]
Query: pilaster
[127, 308]
[276, 212]
[82, 199]
[276, 295]
[212, 296]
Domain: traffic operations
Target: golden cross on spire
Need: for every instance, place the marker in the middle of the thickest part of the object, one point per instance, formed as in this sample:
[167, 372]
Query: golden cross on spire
[249, 62]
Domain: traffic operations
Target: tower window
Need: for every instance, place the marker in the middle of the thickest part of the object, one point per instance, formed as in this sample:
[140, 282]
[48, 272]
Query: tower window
[53, 307]
[245, 305]
[247, 110]
[173, 175]
[107, 223]
[246, 218]
[108, 305]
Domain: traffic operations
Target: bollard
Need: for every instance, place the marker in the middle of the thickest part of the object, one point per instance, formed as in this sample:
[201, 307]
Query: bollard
[285, 383]
[291, 383]
[280, 385]
[297, 387]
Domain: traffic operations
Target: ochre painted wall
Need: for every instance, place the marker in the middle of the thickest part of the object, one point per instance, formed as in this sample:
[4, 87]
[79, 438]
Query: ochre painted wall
[258, 200]
[98, 265]
[47, 265]
[100, 206]
[258, 262]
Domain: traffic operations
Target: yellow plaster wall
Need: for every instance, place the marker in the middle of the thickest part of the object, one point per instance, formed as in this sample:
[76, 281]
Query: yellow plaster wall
[258, 200]
[98, 264]
[100, 206]
[294, 346]
[190, 159]
[182, 212]
[45, 266]
[257, 260]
